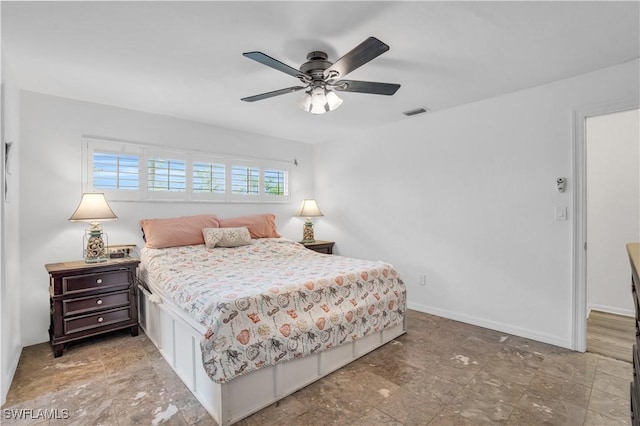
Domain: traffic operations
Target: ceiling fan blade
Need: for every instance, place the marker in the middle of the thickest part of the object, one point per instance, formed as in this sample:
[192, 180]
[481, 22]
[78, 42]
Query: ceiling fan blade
[367, 87]
[272, 94]
[273, 63]
[358, 56]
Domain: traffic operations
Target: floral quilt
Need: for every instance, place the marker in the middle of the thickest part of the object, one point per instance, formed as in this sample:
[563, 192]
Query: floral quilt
[275, 300]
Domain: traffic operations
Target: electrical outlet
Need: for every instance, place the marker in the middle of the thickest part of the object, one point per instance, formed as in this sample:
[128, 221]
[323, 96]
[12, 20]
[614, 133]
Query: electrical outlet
[423, 280]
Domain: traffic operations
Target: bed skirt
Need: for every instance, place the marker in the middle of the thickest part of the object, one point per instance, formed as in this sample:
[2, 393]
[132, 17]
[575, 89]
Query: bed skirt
[178, 340]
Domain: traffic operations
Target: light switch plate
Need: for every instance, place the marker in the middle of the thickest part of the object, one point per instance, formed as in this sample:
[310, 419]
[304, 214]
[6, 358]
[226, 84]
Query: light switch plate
[561, 212]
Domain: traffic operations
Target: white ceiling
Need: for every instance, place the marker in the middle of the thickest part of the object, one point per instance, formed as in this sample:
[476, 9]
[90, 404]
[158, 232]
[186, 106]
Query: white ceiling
[184, 59]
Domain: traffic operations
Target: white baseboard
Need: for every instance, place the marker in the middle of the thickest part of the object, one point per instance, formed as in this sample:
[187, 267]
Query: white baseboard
[494, 325]
[7, 376]
[610, 310]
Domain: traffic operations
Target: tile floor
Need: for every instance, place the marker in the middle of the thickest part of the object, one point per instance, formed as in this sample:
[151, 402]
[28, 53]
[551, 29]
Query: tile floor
[441, 372]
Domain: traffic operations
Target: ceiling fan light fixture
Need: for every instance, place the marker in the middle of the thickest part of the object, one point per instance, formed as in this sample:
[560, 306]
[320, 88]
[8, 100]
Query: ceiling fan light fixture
[319, 100]
[305, 101]
[333, 101]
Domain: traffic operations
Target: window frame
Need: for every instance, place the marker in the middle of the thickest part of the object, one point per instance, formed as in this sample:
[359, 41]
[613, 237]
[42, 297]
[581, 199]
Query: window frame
[209, 159]
[240, 196]
[109, 147]
[286, 197]
[168, 194]
[145, 153]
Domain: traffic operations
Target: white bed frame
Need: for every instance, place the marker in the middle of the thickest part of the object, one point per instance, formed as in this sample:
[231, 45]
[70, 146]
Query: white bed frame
[177, 337]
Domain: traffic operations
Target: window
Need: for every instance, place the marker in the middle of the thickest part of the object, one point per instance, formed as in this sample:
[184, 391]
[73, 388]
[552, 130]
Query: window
[209, 178]
[113, 168]
[115, 171]
[276, 182]
[166, 175]
[135, 172]
[245, 180]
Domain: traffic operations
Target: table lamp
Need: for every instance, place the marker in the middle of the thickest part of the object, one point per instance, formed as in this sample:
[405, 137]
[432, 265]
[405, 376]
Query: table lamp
[308, 208]
[93, 208]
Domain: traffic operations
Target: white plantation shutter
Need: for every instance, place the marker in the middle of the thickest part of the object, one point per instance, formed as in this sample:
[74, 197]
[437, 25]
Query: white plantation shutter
[209, 177]
[115, 171]
[112, 168]
[276, 184]
[166, 176]
[135, 172]
[245, 180]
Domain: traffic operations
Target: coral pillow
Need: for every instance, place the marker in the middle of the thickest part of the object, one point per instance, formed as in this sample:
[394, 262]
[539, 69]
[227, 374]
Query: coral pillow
[259, 225]
[226, 237]
[178, 231]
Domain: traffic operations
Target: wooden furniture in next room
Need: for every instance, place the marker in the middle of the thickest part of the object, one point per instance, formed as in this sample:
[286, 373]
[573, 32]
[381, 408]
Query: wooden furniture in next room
[634, 257]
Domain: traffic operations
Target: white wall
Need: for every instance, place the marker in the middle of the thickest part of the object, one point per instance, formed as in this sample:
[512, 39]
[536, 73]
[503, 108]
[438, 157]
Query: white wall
[10, 334]
[613, 208]
[52, 128]
[466, 197]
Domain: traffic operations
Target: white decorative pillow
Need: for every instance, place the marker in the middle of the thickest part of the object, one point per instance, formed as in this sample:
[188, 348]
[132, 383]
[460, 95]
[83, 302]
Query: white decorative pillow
[226, 237]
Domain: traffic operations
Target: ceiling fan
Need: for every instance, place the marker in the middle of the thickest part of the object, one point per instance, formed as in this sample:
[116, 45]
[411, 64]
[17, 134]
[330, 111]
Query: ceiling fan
[322, 78]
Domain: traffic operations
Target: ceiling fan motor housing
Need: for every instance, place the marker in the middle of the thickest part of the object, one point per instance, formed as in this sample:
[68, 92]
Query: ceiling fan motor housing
[316, 64]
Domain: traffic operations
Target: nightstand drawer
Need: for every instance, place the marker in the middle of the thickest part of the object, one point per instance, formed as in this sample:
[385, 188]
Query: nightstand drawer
[90, 304]
[74, 284]
[100, 319]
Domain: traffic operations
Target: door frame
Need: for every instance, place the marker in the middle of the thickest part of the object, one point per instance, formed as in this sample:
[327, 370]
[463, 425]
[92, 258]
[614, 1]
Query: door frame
[579, 254]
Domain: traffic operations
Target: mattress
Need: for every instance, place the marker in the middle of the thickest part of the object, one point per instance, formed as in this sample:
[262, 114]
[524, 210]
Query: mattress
[273, 300]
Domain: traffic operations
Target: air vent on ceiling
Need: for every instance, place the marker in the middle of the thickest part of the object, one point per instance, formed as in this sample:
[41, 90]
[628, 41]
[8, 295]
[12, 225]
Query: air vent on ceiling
[416, 111]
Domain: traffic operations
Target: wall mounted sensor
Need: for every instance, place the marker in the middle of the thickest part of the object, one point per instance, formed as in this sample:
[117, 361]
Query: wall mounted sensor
[560, 184]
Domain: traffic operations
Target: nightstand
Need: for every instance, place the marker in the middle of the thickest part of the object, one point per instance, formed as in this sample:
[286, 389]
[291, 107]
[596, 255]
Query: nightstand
[87, 299]
[325, 247]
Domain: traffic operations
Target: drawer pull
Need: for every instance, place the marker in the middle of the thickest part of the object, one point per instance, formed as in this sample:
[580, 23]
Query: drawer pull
[100, 319]
[99, 281]
[99, 301]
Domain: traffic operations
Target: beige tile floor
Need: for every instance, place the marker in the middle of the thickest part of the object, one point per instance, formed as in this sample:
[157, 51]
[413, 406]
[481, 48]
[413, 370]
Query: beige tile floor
[441, 372]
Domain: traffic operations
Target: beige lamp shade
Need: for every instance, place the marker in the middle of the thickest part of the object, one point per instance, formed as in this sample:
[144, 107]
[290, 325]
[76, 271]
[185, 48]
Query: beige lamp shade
[93, 208]
[309, 208]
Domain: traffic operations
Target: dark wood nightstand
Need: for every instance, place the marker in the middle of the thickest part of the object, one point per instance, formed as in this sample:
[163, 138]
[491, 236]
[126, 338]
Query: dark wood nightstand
[325, 247]
[87, 299]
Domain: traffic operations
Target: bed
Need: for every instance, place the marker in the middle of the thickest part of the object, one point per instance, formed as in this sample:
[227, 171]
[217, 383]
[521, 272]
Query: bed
[246, 326]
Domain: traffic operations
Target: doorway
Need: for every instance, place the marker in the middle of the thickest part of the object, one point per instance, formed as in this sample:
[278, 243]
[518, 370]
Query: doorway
[613, 216]
[614, 300]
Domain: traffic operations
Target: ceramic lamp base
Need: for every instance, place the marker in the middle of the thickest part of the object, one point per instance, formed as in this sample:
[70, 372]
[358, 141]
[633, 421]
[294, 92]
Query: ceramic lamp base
[95, 246]
[307, 232]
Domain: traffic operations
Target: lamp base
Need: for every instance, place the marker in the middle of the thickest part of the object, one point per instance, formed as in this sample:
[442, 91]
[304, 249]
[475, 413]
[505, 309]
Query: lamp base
[307, 232]
[95, 246]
